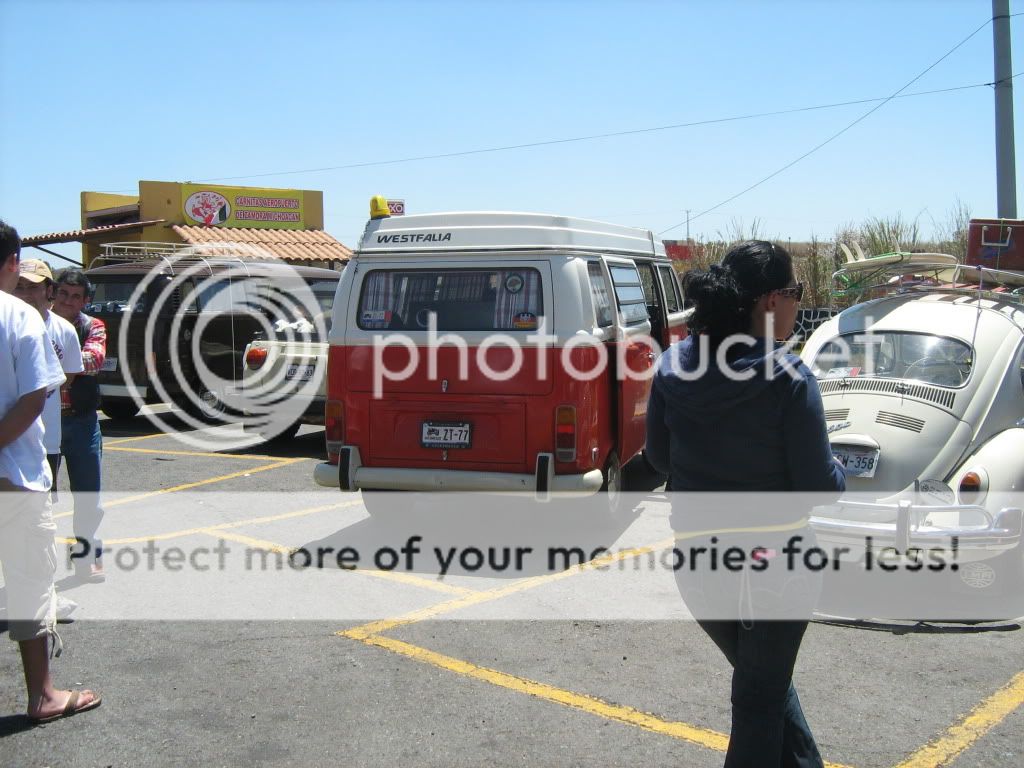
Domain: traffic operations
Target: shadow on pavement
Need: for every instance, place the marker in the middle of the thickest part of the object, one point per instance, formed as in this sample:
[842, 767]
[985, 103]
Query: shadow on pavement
[488, 536]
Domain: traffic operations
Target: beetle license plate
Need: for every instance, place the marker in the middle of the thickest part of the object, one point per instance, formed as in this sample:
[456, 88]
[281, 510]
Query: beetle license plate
[858, 462]
[444, 434]
[300, 372]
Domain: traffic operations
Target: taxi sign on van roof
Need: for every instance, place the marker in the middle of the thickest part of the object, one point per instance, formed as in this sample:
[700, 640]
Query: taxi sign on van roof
[489, 230]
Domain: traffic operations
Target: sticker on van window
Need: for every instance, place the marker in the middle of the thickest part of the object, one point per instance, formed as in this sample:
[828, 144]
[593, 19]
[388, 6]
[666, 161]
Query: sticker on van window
[375, 318]
[525, 321]
[514, 283]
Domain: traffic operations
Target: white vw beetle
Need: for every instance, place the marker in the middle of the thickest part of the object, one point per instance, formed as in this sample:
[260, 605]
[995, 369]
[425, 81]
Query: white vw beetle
[923, 390]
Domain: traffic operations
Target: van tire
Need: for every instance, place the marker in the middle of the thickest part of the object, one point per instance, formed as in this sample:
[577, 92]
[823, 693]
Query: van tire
[119, 408]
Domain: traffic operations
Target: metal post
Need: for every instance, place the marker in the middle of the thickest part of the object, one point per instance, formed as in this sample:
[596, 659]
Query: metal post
[1006, 177]
[687, 226]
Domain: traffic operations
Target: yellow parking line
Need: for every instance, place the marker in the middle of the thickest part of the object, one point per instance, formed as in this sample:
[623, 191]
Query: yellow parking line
[225, 526]
[376, 627]
[404, 578]
[186, 486]
[976, 724]
[251, 456]
[133, 439]
[693, 734]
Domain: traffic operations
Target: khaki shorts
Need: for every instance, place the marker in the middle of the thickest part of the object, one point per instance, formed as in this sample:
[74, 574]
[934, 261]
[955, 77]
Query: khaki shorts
[28, 554]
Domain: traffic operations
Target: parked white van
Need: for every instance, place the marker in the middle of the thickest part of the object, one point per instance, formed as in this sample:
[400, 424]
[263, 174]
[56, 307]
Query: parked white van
[495, 352]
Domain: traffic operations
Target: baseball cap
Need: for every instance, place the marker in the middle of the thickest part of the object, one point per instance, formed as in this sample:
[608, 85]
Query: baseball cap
[35, 270]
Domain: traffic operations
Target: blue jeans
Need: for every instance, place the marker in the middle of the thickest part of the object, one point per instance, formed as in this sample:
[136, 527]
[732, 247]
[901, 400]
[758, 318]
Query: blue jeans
[768, 724]
[82, 446]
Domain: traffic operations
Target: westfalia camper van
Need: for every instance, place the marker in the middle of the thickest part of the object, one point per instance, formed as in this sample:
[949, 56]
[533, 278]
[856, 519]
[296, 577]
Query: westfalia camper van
[495, 352]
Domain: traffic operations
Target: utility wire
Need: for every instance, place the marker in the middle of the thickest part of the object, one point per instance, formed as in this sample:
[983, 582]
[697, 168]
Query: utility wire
[836, 135]
[594, 137]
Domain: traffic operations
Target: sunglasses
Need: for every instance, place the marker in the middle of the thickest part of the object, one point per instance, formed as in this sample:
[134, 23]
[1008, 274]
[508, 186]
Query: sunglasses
[796, 291]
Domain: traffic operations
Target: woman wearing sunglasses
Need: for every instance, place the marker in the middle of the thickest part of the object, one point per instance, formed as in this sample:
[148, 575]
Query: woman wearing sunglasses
[732, 412]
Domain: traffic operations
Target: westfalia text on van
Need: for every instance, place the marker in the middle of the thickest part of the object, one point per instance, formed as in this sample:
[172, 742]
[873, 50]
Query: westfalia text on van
[495, 352]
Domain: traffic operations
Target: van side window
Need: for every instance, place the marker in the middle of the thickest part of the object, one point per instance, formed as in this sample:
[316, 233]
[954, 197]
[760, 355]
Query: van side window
[504, 299]
[673, 303]
[222, 296]
[600, 294]
[650, 284]
[630, 294]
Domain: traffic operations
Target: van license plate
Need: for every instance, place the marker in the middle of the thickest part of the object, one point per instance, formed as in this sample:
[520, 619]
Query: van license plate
[109, 364]
[858, 462]
[438, 434]
[300, 372]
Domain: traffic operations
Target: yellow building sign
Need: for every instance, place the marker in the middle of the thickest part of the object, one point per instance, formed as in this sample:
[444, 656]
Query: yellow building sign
[242, 207]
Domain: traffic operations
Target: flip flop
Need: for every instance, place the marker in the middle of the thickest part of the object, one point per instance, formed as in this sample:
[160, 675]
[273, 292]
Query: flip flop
[71, 708]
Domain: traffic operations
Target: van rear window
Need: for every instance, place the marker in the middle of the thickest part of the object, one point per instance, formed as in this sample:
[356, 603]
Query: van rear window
[462, 299]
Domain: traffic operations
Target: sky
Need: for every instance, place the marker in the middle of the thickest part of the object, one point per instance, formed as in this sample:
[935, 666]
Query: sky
[98, 95]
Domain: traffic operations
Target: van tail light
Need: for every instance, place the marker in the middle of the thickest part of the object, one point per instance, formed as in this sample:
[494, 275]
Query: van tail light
[334, 429]
[565, 433]
[256, 357]
[972, 486]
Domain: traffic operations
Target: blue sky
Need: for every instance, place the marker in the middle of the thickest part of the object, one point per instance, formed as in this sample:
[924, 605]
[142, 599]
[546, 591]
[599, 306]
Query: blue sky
[98, 95]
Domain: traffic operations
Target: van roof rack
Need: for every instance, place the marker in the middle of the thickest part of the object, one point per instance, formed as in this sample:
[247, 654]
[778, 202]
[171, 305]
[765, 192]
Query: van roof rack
[173, 254]
[903, 272]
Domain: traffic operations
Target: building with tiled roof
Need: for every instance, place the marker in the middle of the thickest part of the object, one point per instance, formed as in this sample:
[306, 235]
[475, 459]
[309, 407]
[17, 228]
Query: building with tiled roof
[248, 222]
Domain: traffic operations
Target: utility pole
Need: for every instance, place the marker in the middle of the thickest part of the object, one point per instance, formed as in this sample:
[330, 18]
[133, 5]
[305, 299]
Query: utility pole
[1006, 175]
[687, 226]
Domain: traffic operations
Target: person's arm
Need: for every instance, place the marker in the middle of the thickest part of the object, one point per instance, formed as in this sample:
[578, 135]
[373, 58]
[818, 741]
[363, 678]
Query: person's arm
[808, 454]
[20, 416]
[94, 348]
[658, 437]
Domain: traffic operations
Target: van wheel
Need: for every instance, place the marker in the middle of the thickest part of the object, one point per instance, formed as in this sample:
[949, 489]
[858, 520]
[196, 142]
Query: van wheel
[120, 408]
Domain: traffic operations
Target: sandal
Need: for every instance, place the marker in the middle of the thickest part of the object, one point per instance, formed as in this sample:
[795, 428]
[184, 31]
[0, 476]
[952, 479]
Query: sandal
[71, 708]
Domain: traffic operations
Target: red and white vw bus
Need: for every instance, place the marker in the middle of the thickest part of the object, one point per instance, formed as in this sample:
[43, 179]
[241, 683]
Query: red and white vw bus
[495, 352]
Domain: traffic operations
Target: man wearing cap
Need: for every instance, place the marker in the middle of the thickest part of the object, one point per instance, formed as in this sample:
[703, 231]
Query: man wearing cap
[81, 441]
[35, 288]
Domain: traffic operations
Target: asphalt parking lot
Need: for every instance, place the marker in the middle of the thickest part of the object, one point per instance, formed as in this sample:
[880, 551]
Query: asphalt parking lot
[379, 666]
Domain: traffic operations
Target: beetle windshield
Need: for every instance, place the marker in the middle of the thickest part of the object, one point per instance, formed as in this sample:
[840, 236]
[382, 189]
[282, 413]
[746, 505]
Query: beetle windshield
[917, 356]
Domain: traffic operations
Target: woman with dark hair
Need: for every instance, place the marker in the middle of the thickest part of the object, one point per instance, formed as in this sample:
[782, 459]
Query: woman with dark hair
[732, 411]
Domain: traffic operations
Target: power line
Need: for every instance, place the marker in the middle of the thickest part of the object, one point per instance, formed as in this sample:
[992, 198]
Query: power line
[593, 137]
[836, 135]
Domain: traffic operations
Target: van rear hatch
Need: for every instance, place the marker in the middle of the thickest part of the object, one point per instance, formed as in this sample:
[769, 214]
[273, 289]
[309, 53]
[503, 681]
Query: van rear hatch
[466, 399]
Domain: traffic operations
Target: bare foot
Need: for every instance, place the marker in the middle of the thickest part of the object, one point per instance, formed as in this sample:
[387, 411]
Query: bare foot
[62, 704]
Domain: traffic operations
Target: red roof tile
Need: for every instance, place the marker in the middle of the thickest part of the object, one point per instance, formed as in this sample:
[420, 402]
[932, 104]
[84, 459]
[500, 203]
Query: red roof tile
[80, 235]
[287, 244]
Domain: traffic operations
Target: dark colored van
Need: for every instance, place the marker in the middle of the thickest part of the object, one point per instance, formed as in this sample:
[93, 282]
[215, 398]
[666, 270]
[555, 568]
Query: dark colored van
[204, 311]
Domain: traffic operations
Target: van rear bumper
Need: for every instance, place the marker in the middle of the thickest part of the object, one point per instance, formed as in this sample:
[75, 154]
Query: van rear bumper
[540, 483]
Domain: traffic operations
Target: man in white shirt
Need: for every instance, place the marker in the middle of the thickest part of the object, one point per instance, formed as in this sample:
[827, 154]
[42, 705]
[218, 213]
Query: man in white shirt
[29, 369]
[35, 287]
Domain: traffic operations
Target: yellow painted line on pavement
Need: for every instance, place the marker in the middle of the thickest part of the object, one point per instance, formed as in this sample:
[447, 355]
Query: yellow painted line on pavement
[120, 440]
[186, 486]
[403, 578]
[224, 526]
[693, 734]
[170, 452]
[376, 627]
[976, 724]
